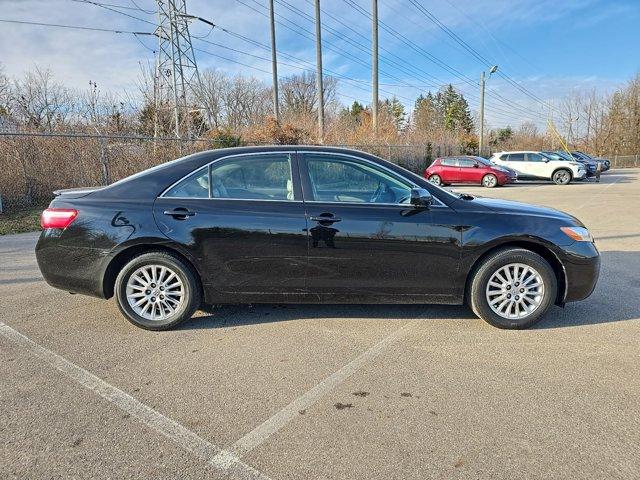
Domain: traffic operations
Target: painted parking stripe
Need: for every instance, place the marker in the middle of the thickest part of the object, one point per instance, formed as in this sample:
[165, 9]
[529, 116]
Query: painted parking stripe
[190, 441]
[274, 423]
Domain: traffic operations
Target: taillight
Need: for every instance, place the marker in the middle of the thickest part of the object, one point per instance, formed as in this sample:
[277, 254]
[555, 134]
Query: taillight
[57, 217]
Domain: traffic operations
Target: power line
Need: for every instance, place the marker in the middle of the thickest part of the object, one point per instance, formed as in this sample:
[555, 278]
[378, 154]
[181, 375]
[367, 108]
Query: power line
[474, 52]
[434, 59]
[75, 27]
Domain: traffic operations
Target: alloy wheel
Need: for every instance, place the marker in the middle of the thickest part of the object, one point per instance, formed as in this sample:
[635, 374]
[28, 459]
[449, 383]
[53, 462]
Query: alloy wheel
[562, 177]
[155, 292]
[489, 181]
[435, 179]
[515, 291]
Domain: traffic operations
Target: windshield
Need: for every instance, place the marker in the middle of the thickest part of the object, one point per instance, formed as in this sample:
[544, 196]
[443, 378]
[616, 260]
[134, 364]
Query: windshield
[485, 161]
[565, 155]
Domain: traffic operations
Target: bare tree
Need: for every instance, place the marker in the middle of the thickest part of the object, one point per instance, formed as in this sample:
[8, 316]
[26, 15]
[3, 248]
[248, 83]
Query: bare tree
[40, 102]
[300, 96]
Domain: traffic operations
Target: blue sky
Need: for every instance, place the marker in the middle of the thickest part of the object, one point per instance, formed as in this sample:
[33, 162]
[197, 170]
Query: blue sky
[549, 47]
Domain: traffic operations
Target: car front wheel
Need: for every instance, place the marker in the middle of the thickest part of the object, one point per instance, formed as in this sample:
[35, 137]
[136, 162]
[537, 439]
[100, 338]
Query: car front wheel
[561, 177]
[489, 180]
[157, 291]
[512, 288]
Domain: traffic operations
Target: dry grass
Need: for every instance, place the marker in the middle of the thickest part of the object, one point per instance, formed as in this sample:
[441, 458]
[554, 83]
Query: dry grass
[21, 221]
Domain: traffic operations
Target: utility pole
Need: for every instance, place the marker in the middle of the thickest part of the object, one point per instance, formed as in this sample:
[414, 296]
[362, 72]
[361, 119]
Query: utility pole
[493, 69]
[481, 141]
[319, 87]
[177, 76]
[374, 65]
[274, 62]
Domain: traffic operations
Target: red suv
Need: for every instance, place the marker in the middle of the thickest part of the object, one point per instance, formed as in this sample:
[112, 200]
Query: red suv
[468, 169]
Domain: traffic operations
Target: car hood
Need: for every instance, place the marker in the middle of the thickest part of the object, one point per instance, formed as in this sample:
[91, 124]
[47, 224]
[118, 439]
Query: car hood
[519, 208]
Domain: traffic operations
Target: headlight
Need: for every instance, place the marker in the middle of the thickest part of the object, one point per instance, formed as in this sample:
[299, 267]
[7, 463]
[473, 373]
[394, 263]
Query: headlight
[579, 234]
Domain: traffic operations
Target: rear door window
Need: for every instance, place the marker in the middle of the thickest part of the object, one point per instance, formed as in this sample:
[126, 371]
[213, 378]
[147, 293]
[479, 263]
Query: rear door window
[516, 157]
[195, 185]
[255, 177]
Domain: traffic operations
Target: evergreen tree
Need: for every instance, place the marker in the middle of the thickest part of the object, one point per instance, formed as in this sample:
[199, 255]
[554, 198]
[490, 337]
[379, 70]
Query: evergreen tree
[454, 110]
[395, 108]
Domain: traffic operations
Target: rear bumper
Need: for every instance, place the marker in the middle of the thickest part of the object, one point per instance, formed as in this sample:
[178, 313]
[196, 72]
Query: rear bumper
[582, 267]
[74, 269]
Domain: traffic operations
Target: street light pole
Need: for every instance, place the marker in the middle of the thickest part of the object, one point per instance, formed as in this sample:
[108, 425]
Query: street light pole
[374, 64]
[319, 87]
[493, 69]
[481, 141]
[274, 63]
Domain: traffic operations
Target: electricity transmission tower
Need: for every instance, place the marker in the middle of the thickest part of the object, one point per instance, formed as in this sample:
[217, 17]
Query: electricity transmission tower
[177, 80]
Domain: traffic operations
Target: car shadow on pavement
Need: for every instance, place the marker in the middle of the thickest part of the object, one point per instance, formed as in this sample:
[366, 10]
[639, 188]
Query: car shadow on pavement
[606, 305]
[225, 316]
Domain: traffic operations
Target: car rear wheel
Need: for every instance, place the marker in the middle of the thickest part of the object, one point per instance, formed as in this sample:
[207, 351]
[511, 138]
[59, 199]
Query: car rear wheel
[561, 176]
[489, 180]
[435, 179]
[157, 291]
[512, 288]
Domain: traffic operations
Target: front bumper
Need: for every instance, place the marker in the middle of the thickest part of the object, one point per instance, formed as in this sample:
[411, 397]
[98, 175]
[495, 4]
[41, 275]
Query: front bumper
[582, 267]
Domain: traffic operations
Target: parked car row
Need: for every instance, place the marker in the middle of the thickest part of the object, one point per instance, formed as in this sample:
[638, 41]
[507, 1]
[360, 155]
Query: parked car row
[507, 167]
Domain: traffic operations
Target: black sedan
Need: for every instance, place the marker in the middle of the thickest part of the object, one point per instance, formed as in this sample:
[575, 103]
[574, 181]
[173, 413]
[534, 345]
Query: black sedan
[296, 224]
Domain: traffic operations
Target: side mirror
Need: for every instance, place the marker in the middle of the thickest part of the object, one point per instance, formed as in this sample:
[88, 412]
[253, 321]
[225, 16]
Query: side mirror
[420, 197]
[475, 165]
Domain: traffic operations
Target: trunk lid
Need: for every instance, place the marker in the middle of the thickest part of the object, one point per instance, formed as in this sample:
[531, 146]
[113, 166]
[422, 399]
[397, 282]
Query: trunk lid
[70, 193]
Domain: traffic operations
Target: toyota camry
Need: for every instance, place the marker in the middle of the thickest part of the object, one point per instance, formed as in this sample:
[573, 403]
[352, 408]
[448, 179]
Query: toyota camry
[298, 224]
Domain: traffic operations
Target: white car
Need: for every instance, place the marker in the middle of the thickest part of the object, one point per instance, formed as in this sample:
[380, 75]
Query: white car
[532, 165]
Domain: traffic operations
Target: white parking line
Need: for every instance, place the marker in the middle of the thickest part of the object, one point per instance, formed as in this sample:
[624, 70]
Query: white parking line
[182, 436]
[274, 423]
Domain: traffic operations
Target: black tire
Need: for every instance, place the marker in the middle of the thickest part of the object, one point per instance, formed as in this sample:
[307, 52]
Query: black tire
[436, 180]
[490, 180]
[562, 176]
[191, 290]
[479, 278]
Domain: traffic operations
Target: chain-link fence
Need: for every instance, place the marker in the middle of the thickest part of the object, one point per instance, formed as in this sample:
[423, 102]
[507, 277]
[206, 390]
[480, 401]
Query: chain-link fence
[33, 165]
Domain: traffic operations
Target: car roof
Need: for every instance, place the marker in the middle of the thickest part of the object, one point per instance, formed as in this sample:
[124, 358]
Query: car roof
[150, 183]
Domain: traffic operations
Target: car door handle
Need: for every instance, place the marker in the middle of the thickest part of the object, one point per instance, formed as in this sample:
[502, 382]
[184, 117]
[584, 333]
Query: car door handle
[327, 218]
[180, 213]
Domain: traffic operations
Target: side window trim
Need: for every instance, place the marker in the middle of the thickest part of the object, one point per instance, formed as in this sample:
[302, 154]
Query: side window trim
[293, 165]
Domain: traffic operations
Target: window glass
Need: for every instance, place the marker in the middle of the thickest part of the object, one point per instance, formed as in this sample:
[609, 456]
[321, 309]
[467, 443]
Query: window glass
[516, 157]
[448, 162]
[534, 157]
[464, 163]
[195, 185]
[343, 180]
[259, 177]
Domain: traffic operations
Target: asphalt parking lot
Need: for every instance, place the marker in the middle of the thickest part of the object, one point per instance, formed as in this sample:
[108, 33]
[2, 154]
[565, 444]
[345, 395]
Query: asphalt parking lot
[336, 392]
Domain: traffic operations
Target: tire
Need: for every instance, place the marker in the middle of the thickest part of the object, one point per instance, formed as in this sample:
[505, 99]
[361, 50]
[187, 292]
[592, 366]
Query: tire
[168, 288]
[489, 180]
[436, 180]
[512, 317]
[562, 176]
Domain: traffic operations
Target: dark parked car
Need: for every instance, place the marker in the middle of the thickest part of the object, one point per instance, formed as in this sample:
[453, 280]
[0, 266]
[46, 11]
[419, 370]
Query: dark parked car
[295, 224]
[604, 163]
[468, 169]
[589, 165]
